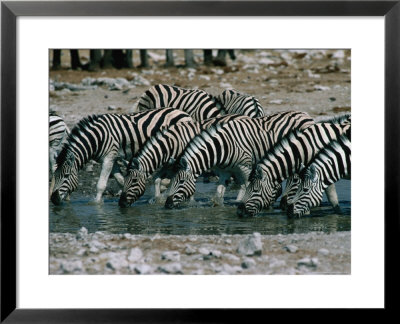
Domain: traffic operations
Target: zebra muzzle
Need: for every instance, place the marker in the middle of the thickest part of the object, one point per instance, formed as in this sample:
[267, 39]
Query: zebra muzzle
[170, 202]
[123, 201]
[56, 198]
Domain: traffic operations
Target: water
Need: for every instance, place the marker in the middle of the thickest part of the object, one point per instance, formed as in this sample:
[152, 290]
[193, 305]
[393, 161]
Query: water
[201, 219]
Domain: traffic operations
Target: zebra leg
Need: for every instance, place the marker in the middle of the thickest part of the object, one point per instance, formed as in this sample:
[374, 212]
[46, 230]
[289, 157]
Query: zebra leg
[333, 198]
[117, 174]
[241, 192]
[106, 169]
[218, 199]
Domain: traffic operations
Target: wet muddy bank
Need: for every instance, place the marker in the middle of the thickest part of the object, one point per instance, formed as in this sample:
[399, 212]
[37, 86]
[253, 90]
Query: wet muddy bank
[104, 253]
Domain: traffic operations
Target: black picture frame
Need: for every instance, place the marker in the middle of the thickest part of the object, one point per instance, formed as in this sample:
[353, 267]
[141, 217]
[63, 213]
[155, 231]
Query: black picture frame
[11, 10]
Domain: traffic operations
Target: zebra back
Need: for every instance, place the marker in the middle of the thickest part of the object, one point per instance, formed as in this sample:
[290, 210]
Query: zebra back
[58, 130]
[235, 102]
[197, 103]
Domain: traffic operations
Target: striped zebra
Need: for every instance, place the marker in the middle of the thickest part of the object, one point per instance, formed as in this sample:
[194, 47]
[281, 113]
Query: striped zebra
[58, 133]
[330, 165]
[284, 160]
[197, 103]
[235, 102]
[293, 182]
[230, 150]
[156, 156]
[104, 138]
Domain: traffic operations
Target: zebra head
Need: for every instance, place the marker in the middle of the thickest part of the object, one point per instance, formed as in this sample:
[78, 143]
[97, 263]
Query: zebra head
[65, 177]
[309, 193]
[261, 192]
[183, 185]
[134, 185]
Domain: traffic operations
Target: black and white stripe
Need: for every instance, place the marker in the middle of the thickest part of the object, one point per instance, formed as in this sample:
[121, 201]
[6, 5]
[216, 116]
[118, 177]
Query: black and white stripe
[58, 133]
[329, 166]
[197, 103]
[235, 102]
[284, 160]
[293, 182]
[158, 152]
[104, 138]
[230, 150]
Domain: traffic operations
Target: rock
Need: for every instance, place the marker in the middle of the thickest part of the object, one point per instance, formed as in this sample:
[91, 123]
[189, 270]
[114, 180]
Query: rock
[228, 269]
[82, 234]
[231, 257]
[117, 262]
[248, 263]
[111, 107]
[308, 262]
[291, 248]
[71, 266]
[276, 102]
[171, 256]
[171, 268]
[204, 251]
[135, 255]
[212, 254]
[143, 269]
[251, 245]
[115, 87]
[225, 85]
[190, 250]
[321, 88]
[323, 251]
[204, 77]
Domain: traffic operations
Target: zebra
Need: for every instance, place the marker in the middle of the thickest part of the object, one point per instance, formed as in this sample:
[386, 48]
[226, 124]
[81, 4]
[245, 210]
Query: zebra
[159, 152]
[293, 182]
[330, 165]
[282, 161]
[58, 133]
[197, 103]
[104, 138]
[230, 150]
[235, 102]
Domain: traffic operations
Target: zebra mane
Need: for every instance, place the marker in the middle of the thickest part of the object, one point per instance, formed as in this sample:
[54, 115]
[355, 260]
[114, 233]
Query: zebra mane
[340, 119]
[67, 147]
[281, 145]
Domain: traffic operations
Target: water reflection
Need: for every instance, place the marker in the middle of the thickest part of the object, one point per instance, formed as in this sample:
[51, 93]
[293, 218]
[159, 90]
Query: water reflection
[143, 218]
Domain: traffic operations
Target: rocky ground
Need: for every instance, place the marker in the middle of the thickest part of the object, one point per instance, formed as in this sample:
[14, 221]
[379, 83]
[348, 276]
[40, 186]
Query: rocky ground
[103, 253]
[314, 81]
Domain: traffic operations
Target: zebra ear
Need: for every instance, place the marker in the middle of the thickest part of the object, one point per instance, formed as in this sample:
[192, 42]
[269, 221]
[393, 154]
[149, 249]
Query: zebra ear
[313, 173]
[184, 165]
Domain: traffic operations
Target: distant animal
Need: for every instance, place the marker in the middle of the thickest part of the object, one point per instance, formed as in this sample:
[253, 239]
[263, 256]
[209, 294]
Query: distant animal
[104, 138]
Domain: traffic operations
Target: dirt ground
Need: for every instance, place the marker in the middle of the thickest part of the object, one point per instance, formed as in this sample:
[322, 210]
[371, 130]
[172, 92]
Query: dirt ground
[315, 81]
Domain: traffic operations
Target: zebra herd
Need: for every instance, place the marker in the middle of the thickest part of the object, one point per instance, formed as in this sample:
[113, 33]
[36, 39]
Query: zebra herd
[180, 134]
